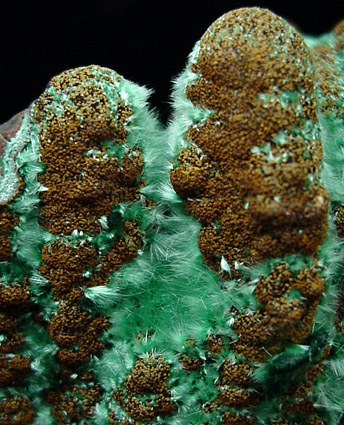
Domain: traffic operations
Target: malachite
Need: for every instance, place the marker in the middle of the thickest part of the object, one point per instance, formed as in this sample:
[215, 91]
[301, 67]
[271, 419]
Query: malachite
[187, 275]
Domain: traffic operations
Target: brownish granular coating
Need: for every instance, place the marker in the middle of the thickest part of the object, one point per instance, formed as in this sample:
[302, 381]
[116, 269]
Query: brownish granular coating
[326, 78]
[237, 397]
[14, 300]
[190, 364]
[229, 418]
[315, 420]
[249, 174]
[74, 403]
[339, 33]
[77, 334]
[7, 223]
[189, 358]
[235, 390]
[112, 418]
[122, 251]
[7, 323]
[340, 221]
[149, 377]
[13, 342]
[13, 369]
[287, 305]
[85, 176]
[234, 384]
[63, 265]
[298, 398]
[16, 410]
[236, 373]
[82, 188]
[215, 344]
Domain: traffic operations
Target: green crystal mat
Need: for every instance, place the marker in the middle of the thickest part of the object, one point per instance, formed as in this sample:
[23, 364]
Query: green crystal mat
[188, 275]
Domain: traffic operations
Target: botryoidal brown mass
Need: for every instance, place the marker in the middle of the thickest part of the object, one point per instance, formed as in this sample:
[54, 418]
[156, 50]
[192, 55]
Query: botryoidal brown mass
[79, 174]
[248, 169]
[250, 172]
[146, 395]
[84, 180]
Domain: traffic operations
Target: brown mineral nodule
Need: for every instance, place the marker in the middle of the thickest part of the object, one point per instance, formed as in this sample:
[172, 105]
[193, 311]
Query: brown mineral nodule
[148, 378]
[229, 418]
[250, 174]
[13, 369]
[82, 187]
[73, 404]
[339, 33]
[287, 305]
[16, 410]
[77, 334]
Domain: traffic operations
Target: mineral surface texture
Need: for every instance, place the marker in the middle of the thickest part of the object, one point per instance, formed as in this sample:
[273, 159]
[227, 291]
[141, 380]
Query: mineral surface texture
[188, 275]
[71, 215]
[258, 134]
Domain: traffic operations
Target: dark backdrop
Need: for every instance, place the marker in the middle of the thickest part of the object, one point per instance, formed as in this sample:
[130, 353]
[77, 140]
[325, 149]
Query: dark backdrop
[145, 41]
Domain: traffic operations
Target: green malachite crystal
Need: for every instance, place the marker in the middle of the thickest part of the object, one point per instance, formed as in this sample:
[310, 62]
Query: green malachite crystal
[187, 275]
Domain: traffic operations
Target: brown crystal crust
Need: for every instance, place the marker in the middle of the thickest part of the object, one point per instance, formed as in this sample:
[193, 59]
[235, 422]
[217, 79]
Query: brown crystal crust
[16, 410]
[14, 367]
[64, 265]
[189, 357]
[74, 403]
[83, 180]
[339, 33]
[7, 223]
[229, 418]
[234, 386]
[236, 390]
[326, 79]
[147, 381]
[14, 300]
[298, 398]
[215, 344]
[287, 304]
[77, 334]
[112, 418]
[88, 170]
[340, 221]
[249, 174]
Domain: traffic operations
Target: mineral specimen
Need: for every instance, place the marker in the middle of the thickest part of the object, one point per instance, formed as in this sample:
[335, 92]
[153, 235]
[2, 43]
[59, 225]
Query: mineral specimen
[186, 275]
[254, 109]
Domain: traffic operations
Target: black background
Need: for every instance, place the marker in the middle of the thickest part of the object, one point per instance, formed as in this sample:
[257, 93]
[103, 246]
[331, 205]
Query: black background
[145, 41]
